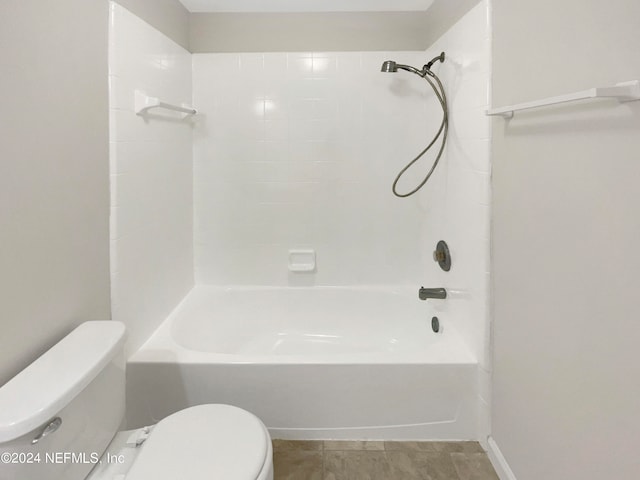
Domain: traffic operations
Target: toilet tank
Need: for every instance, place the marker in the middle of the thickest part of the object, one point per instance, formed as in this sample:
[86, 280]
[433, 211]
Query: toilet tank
[81, 382]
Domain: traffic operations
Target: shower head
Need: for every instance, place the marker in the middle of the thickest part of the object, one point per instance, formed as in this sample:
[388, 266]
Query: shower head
[390, 66]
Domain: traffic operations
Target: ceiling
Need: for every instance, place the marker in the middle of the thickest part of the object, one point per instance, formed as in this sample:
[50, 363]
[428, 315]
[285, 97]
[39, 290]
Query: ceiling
[281, 6]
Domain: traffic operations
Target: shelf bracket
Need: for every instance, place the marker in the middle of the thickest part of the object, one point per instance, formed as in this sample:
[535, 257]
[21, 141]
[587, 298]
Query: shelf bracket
[143, 103]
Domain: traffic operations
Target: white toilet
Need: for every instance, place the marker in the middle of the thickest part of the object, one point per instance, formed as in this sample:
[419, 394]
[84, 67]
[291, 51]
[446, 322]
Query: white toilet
[59, 420]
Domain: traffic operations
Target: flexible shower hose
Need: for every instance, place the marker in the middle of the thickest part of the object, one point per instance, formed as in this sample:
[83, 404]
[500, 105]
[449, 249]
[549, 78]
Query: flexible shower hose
[444, 129]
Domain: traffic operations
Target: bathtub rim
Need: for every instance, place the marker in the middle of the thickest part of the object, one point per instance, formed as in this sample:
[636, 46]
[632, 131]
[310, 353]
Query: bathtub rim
[161, 347]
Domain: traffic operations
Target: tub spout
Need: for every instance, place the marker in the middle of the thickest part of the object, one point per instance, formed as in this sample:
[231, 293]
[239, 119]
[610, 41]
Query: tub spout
[425, 293]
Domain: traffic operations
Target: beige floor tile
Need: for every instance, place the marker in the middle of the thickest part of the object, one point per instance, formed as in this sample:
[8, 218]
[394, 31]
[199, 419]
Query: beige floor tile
[441, 447]
[292, 445]
[410, 446]
[352, 445]
[356, 465]
[457, 447]
[417, 465]
[297, 465]
[371, 460]
[473, 466]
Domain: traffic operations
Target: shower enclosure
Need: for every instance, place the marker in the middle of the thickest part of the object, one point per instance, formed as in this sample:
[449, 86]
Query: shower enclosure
[259, 257]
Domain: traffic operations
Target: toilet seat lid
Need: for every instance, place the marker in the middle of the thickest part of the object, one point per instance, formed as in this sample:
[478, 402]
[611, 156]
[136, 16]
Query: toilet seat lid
[203, 443]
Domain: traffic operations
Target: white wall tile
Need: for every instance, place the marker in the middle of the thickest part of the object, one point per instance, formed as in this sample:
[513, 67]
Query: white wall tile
[151, 178]
[318, 174]
[466, 200]
[338, 115]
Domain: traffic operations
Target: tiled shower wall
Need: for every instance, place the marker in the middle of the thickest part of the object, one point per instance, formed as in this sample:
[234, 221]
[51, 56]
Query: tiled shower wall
[462, 215]
[298, 150]
[151, 177]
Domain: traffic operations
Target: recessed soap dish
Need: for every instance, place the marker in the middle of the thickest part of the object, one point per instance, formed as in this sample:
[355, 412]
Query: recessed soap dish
[302, 261]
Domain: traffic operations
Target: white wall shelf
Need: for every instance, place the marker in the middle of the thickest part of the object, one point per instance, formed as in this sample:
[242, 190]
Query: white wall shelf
[623, 92]
[143, 103]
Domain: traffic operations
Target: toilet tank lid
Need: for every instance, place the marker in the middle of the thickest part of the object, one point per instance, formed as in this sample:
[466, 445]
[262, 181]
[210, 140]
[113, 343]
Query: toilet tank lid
[40, 391]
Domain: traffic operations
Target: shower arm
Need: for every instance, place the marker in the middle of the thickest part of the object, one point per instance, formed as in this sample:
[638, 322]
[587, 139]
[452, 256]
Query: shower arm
[426, 69]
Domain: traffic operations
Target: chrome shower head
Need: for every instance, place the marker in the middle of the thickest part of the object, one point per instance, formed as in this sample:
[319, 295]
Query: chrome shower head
[389, 66]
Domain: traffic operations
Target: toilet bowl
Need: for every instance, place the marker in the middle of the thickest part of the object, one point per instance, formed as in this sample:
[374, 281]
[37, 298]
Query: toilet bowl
[205, 442]
[65, 410]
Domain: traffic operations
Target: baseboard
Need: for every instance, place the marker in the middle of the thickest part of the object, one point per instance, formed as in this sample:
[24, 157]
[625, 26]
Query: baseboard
[498, 461]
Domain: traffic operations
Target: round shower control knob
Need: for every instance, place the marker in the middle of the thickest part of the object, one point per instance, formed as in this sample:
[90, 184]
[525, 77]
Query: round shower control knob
[442, 256]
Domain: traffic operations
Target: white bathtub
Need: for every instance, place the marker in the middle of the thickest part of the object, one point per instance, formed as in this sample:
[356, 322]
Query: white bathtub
[312, 363]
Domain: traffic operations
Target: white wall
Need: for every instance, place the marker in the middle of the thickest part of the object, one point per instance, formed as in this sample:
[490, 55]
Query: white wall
[168, 16]
[324, 31]
[151, 177]
[54, 190]
[565, 255]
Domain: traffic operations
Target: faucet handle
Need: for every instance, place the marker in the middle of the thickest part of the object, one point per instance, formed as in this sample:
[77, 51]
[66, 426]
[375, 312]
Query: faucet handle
[442, 256]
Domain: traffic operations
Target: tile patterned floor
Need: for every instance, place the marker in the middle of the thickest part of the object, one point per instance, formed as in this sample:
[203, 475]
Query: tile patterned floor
[359, 460]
